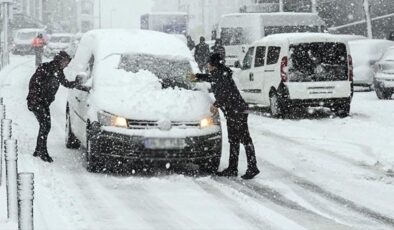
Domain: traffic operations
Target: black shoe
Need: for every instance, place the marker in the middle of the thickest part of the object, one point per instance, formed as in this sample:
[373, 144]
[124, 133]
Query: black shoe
[36, 154]
[229, 172]
[46, 157]
[250, 174]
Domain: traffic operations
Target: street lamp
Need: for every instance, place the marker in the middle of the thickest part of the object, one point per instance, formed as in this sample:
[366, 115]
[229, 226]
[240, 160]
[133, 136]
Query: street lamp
[6, 6]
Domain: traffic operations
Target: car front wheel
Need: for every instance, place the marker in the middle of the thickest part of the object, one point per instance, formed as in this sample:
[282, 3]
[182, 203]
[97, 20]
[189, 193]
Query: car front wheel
[383, 94]
[72, 141]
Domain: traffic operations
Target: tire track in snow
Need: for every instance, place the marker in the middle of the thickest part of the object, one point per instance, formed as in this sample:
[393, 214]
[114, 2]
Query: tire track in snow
[316, 149]
[314, 188]
[242, 213]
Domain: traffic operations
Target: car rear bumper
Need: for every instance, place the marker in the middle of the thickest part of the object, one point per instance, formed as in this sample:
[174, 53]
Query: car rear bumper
[384, 83]
[132, 148]
[317, 102]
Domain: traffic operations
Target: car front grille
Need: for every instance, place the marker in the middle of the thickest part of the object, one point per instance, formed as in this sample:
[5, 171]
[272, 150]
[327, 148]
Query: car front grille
[145, 124]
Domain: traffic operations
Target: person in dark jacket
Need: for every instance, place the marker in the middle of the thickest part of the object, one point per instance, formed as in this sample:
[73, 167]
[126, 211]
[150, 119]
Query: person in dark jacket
[201, 54]
[229, 100]
[43, 87]
[219, 49]
[190, 42]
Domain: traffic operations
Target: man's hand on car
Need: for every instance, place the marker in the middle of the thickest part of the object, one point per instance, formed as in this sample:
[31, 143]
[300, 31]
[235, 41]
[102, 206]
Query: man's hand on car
[191, 77]
[214, 110]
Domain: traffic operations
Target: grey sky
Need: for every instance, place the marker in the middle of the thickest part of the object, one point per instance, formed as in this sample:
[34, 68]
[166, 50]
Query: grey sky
[124, 13]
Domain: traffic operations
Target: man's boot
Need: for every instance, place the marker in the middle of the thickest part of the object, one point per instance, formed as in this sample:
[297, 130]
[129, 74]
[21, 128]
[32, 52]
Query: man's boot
[232, 170]
[45, 157]
[252, 170]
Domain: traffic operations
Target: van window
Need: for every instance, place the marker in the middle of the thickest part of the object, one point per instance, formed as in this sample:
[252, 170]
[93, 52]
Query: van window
[260, 56]
[247, 63]
[273, 55]
[236, 36]
[318, 61]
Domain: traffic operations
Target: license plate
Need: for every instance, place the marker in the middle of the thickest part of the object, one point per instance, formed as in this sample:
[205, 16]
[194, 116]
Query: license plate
[164, 143]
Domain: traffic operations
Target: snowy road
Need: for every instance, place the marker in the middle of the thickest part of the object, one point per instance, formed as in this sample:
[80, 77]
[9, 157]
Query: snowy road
[318, 173]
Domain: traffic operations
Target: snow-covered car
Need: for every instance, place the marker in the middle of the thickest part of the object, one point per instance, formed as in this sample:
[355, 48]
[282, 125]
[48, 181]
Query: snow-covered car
[141, 107]
[294, 70]
[365, 54]
[57, 43]
[23, 38]
[384, 77]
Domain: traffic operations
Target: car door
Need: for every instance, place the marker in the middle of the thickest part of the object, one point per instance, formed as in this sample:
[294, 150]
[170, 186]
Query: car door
[271, 72]
[82, 103]
[256, 77]
[246, 75]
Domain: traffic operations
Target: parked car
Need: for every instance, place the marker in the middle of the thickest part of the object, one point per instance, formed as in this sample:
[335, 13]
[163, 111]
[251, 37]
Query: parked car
[292, 70]
[384, 77]
[22, 41]
[58, 42]
[141, 108]
[365, 54]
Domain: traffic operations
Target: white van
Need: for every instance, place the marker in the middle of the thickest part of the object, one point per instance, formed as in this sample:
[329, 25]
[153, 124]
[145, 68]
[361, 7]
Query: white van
[285, 71]
[241, 29]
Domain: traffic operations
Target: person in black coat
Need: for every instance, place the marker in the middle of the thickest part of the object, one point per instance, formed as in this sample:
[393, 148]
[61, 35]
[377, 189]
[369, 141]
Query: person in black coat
[190, 42]
[219, 49]
[43, 87]
[201, 54]
[229, 100]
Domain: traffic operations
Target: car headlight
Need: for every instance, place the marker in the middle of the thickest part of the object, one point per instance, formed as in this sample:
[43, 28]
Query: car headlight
[209, 121]
[108, 119]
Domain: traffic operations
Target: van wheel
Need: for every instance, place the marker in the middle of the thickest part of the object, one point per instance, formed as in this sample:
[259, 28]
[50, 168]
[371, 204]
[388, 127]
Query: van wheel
[93, 162]
[342, 110]
[276, 110]
[72, 141]
[382, 94]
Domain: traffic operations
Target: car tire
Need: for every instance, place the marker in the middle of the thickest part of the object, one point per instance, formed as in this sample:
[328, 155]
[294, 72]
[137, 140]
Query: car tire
[275, 105]
[93, 162]
[210, 166]
[342, 110]
[382, 94]
[71, 141]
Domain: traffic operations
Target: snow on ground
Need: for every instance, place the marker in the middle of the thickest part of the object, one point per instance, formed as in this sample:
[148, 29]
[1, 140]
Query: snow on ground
[317, 173]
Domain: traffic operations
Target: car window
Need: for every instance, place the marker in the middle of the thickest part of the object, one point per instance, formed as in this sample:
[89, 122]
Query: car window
[273, 55]
[260, 56]
[247, 63]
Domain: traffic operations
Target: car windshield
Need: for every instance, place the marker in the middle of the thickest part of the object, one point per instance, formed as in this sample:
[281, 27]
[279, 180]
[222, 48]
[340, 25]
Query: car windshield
[57, 39]
[320, 61]
[26, 35]
[171, 72]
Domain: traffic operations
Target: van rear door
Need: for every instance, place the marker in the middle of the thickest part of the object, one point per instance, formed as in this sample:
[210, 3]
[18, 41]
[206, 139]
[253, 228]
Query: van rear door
[318, 70]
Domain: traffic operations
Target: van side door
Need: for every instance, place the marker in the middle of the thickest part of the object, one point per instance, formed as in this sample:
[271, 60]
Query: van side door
[246, 75]
[271, 71]
[256, 86]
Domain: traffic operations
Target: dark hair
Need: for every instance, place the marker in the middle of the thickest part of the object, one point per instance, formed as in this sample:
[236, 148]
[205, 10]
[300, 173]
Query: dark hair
[61, 56]
[202, 39]
[215, 60]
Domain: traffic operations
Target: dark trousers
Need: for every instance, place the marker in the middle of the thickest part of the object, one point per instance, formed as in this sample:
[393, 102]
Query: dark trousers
[238, 133]
[43, 117]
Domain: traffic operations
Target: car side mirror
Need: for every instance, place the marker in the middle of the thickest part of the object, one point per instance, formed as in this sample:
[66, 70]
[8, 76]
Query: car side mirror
[237, 64]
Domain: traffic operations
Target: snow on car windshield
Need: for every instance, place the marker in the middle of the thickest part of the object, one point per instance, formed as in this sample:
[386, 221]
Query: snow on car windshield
[171, 72]
[318, 62]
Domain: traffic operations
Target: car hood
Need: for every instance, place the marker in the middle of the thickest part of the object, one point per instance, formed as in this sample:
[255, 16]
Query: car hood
[140, 96]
